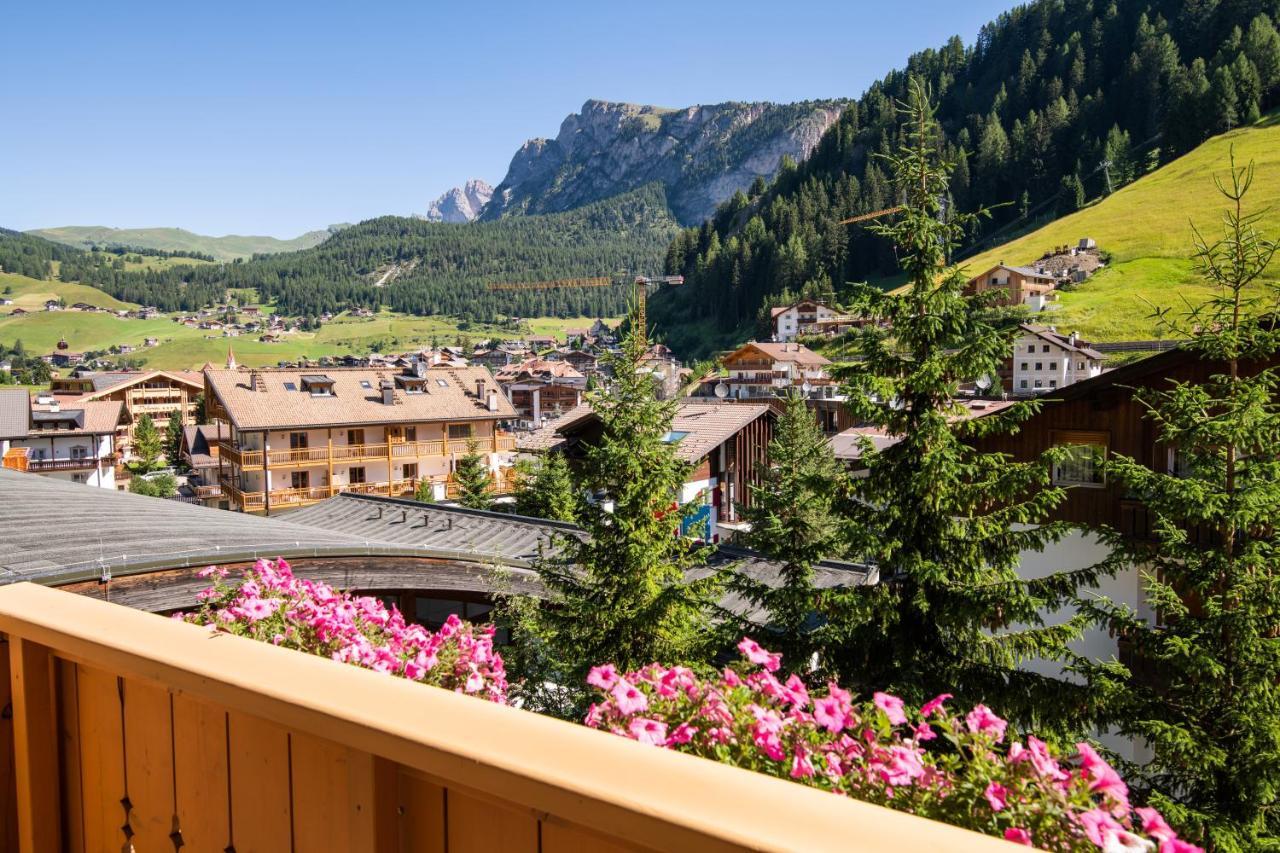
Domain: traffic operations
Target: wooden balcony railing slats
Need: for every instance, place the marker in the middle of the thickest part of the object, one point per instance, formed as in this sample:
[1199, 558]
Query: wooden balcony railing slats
[131, 731]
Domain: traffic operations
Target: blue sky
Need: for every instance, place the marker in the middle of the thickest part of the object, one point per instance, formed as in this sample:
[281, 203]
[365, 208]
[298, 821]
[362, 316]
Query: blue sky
[276, 118]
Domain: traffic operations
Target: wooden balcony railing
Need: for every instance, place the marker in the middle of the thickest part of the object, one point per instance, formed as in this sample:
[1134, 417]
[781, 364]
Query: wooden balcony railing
[130, 731]
[312, 456]
[84, 463]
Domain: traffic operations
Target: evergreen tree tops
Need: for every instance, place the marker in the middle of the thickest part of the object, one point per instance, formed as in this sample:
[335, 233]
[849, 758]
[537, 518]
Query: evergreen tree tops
[945, 523]
[1202, 686]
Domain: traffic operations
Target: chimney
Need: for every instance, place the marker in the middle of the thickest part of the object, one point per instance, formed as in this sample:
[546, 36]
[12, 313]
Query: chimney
[1073, 337]
[388, 392]
[479, 389]
[493, 400]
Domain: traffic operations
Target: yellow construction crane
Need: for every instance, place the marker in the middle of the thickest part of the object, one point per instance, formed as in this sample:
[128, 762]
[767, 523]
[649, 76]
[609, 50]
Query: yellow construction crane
[875, 214]
[640, 283]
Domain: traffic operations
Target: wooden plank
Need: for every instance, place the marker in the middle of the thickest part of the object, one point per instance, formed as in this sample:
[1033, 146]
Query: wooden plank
[8, 769]
[560, 837]
[372, 785]
[478, 826]
[421, 813]
[200, 774]
[258, 758]
[101, 759]
[321, 795]
[148, 756]
[35, 743]
[69, 745]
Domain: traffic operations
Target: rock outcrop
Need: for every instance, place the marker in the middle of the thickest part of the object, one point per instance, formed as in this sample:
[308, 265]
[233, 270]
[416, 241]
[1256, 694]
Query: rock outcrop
[701, 154]
[460, 204]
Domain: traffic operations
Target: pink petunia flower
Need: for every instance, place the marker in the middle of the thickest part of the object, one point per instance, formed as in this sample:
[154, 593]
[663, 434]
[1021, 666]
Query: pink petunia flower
[829, 712]
[751, 651]
[982, 719]
[1017, 835]
[628, 698]
[603, 677]
[934, 704]
[996, 795]
[892, 707]
[649, 731]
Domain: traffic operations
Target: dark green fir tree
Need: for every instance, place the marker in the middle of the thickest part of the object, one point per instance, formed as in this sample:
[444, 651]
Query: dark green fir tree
[473, 479]
[545, 489]
[1206, 698]
[944, 522]
[795, 520]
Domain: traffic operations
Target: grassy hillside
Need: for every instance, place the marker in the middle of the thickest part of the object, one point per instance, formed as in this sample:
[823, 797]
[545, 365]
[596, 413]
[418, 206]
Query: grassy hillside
[1147, 228]
[32, 293]
[225, 248]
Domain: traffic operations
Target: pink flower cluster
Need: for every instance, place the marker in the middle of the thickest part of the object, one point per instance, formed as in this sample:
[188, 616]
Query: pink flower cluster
[271, 604]
[964, 770]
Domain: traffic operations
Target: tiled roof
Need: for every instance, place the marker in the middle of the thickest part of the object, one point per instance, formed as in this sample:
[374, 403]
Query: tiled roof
[198, 441]
[114, 380]
[450, 395]
[799, 353]
[708, 424]
[15, 410]
[1062, 341]
[98, 417]
[537, 368]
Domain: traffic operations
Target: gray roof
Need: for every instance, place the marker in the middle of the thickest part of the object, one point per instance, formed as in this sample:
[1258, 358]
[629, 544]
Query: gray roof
[15, 410]
[99, 529]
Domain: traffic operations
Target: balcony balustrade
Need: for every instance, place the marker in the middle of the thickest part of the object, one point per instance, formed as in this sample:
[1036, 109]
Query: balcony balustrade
[344, 453]
[84, 463]
[130, 731]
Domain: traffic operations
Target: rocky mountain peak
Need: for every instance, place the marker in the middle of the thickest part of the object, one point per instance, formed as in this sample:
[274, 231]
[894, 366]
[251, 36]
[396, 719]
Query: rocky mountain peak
[460, 204]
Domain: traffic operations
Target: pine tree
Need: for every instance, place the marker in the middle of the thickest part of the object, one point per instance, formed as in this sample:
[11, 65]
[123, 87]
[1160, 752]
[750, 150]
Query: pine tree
[944, 522]
[148, 446]
[1210, 710]
[545, 489]
[794, 520]
[173, 440]
[473, 479]
[424, 491]
[620, 594]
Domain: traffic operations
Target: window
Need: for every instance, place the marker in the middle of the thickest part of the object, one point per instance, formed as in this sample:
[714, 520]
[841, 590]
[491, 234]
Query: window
[1053, 365]
[1039, 383]
[1080, 365]
[1179, 465]
[673, 437]
[79, 478]
[1053, 383]
[355, 436]
[290, 386]
[1024, 366]
[459, 431]
[79, 452]
[300, 479]
[1022, 384]
[442, 383]
[1031, 348]
[364, 383]
[1081, 464]
[410, 471]
[1039, 365]
[411, 433]
[297, 441]
[355, 475]
[1045, 348]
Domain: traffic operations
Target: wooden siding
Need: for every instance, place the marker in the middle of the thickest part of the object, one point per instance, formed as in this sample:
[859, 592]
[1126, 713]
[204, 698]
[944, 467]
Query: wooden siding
[134, 732]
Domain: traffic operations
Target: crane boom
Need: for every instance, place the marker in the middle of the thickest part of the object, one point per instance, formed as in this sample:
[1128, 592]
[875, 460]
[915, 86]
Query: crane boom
[598, 281]
[875, 214]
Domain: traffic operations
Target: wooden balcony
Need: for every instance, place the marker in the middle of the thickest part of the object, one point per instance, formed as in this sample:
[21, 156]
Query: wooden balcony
[130, 731]
[85, 463]
[502, 484]
[346, 453]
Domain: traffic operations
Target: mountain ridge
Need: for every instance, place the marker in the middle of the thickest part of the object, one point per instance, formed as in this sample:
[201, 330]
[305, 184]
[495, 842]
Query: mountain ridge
[225, 248]
[460, 204]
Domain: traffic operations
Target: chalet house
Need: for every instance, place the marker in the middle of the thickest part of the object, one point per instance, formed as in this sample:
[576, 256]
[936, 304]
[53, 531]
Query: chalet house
[160, 394]
[807, 317]
[76, 443]
[1044, 360]
[298, 436]
[1096, 419]
[726, 443]
[53, 305]
[537, 388]
[494, 359]
[770, 369]
[200, 453]
[1021, 285]
[540, 343]
[65, 358]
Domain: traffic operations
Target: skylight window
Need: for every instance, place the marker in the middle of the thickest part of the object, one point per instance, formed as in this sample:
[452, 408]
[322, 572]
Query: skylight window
[673, 437]
[442, 383]
[290, 386]
[364, 383]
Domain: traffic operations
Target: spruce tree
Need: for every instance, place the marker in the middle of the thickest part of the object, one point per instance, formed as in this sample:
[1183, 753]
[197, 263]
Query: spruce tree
[173, 440]
[795, 520]
[148, 446]
[545, 489]
[1208, 703]
[621, 593]
[944, 522]
[473, 478]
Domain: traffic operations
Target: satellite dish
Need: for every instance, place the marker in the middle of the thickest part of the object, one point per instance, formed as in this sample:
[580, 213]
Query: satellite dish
[897, 404]
[722, 390]
[983, 382]
[807, 389]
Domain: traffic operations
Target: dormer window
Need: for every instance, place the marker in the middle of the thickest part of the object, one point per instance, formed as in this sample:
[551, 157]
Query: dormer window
[317, 385]
[412, 384]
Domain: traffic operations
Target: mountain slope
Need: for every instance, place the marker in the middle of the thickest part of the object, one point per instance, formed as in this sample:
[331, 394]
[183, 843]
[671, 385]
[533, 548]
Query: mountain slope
[226, 248]
[460, 204]
[701, 154]
[1049, 91]
[422, 268]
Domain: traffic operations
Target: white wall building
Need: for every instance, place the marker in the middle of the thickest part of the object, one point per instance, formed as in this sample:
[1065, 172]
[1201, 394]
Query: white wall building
[1044, 360]
[75, 443]
[791, 320]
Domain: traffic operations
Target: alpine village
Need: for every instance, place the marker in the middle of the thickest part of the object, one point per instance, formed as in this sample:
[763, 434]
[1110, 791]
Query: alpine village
[897, 471]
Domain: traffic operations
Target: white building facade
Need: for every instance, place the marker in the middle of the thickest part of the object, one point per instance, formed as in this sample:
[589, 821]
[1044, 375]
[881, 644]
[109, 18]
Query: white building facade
[1044, 360]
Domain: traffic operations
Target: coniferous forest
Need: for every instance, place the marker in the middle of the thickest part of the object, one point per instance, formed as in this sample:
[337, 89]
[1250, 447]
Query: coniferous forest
[1049, 92]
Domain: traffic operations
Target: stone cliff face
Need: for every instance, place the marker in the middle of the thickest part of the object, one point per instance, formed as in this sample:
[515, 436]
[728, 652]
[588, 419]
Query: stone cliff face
[460, 204]
[702, 154]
